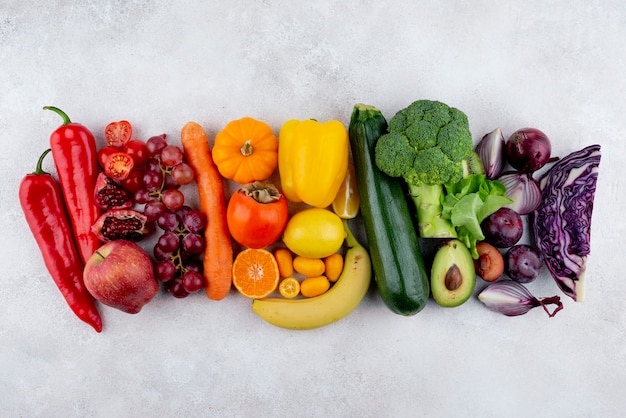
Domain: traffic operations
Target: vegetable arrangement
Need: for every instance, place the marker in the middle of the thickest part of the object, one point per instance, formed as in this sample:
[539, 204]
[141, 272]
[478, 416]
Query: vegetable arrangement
[283, 239]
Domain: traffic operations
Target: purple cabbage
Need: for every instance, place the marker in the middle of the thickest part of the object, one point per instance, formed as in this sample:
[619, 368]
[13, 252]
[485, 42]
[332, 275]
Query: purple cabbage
[562, 222]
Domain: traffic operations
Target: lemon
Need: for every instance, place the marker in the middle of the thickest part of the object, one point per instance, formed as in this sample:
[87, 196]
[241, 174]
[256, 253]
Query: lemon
[314, 233]
[347, 201]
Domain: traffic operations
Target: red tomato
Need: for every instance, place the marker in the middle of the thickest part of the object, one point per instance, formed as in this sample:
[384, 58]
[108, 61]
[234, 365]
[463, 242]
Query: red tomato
[134, 181]
[119, 165]
[118, 133]
[137, 149]
[104, 153]
[253, 223]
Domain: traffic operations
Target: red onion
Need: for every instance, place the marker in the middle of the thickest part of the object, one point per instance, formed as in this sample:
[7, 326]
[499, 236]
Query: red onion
[523, 190]
[491, 152]
[528, 150]
[512, 299]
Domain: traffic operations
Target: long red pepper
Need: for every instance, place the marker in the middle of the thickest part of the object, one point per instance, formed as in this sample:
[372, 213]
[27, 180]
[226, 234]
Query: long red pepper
[74, 152]
[42, 202]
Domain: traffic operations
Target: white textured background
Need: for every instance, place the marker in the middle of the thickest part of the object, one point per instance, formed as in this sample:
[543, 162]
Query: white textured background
[558, 66]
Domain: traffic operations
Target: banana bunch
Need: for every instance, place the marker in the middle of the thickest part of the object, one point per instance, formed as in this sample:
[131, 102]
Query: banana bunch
[336, 303]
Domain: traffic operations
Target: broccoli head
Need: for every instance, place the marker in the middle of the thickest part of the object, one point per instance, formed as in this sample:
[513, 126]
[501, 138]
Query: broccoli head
[427, 143]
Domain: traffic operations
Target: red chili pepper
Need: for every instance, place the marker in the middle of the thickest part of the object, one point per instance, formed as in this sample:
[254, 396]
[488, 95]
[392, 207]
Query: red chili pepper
[74, 152]
[42, 203]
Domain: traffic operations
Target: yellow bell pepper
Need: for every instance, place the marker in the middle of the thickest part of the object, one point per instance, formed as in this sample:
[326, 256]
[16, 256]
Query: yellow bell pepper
[312, 160]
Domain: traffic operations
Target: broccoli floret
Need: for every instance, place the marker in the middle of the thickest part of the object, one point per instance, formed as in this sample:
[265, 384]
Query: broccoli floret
[429, 144]
[395, 154]
[431, 166]
[455, 140]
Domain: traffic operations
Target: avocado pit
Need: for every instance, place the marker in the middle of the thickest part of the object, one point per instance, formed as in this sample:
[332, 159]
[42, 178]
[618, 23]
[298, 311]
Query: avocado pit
[454, 278]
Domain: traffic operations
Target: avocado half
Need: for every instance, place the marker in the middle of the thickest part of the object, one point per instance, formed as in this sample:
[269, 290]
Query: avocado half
[452, 278]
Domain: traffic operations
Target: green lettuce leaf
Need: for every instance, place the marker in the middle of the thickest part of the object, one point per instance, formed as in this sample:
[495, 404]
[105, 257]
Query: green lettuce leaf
[468, 202]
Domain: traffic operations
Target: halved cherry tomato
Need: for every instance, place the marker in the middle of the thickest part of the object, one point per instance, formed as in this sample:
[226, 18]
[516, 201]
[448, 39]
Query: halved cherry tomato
[257, 215]
[118, 133]
[104, 153]
[119, 165]
[137, 149]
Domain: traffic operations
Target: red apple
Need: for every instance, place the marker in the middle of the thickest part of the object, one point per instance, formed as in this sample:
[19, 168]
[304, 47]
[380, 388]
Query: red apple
[120, 274]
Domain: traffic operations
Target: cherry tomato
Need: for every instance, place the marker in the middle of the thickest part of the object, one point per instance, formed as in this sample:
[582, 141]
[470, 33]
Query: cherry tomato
[134, 181]
[104, 153]
[137, 149]
[118, 133]
[119, 165]
[256, 215]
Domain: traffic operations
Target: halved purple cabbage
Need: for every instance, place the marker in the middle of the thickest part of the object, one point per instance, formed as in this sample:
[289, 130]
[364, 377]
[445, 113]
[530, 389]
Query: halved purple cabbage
[562, 222]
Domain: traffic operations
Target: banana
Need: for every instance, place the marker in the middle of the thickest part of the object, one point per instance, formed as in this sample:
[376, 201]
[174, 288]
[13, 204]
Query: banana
[345, 295]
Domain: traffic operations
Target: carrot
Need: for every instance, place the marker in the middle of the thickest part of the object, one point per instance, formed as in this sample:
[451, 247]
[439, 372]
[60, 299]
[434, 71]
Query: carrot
[218, 255]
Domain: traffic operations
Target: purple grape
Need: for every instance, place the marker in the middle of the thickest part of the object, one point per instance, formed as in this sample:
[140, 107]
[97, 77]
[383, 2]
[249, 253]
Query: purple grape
[141, 196]
[161, 255]
[170, 183]
[192, 281]
[182, 173]
[153, 209]
[155, 144]
[193, 243]
[194, 265]
[152, 180]
[177, 289]
[167, 221]
[194, 221]
[153, 165]
[168, 242]
[523, 263]
[182, 212]
[165, 270]
[171, 155]
[173, 199]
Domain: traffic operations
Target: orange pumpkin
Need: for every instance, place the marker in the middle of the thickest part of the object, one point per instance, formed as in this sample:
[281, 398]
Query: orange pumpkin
[246, 150]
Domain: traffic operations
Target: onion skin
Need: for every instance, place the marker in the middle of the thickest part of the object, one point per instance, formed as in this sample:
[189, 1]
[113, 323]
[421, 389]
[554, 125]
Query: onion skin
[523, 190]
[528, 149]
[491, 152]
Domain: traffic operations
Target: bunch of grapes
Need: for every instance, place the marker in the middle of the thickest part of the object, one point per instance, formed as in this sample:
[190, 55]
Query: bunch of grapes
[178, 250]
[179, 247]
[165, 171]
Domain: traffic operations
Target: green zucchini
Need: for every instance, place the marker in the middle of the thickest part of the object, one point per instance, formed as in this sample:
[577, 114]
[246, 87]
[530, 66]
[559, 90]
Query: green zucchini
[397, 262]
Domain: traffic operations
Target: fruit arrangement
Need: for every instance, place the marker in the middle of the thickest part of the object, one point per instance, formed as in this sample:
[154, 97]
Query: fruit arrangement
[273, 218]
